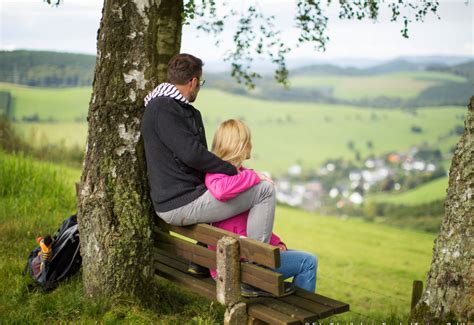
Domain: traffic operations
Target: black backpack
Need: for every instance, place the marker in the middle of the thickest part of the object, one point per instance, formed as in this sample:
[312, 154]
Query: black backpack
[65, 259]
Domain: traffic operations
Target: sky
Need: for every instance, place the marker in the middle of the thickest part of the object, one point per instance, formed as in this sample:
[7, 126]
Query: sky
[72, 27]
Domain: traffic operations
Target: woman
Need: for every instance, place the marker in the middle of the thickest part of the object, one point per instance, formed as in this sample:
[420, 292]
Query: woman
[232, 143]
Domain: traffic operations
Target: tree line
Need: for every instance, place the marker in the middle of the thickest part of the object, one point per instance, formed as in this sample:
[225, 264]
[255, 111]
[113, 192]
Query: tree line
[442, 94]
[46, 69]
[54, 69]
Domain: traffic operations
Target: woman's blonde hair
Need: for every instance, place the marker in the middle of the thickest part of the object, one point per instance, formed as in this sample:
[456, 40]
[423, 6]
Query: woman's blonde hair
[232, 142]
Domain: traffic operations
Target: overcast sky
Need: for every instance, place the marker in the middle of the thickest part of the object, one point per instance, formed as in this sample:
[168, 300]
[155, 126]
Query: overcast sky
[72, 27]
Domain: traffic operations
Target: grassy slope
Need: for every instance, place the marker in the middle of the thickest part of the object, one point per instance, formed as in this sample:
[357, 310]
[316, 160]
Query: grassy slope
[283, 133]
[68, 133]
[34, 199]
[400, 84]
[65, 105]
[62, 104]
[425, 193]
[367, 265]
[370, 266]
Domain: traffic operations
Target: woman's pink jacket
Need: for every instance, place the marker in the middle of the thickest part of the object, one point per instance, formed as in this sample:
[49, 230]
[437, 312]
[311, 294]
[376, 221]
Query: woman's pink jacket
[224, 188]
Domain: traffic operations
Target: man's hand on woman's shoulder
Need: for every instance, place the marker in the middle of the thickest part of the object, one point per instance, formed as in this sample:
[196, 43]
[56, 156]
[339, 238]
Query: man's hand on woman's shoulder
[264, 177]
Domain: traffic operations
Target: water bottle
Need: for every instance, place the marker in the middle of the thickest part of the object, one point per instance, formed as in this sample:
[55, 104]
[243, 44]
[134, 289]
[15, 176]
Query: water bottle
[46, 249]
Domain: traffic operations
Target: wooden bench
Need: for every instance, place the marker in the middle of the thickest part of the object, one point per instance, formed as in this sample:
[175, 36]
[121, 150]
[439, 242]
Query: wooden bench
[174, 249]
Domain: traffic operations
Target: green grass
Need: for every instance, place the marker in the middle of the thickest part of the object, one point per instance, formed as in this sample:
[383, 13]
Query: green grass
[400, 84]
[425, 193]
[283, 133]
[34, 199]
[60, 104]
[369, 266]
[69, 134]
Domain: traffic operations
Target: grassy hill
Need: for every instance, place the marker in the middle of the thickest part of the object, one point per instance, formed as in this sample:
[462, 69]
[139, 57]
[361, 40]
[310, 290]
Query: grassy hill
[434, 190]
[283, 133]
[399, 84]
[58, 104]
[368, 265]
[288, 133]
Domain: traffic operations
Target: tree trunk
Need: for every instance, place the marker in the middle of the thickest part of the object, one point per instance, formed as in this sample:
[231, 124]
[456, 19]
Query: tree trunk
[449, 294]
[135, 41]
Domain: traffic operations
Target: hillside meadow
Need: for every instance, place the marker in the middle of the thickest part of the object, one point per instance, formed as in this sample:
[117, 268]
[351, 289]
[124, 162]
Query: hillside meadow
[428, 192]
[398, 84]
[367, 265]
[283, 133]
[35, 197]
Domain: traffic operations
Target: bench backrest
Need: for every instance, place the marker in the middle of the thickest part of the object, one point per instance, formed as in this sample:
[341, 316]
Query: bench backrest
[169, 242]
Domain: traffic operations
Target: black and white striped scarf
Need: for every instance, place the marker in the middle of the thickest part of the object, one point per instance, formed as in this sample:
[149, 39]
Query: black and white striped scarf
[167, 90]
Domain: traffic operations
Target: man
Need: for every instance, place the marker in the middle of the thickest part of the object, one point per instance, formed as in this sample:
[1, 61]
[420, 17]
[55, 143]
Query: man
[178, 159]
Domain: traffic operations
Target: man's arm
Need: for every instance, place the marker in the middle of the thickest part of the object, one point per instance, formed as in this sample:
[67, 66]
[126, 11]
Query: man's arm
[174, 133]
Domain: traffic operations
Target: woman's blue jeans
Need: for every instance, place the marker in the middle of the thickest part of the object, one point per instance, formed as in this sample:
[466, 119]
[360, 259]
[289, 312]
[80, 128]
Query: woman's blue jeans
[301, 266]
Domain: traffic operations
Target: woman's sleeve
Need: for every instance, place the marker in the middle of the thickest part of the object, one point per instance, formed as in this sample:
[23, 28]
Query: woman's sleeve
[224, 187]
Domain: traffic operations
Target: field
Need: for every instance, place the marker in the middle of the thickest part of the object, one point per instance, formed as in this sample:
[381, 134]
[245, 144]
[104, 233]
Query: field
[367, 265]
[34, 198]
[69, 134]
[400, 84]
[59, 104]
[434, 190]
[283, 133]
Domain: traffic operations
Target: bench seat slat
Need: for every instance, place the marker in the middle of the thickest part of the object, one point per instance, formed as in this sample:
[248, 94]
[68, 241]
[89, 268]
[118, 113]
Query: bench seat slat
[181, 266]
[270, 315]
[312, 306]
[250, 249]
[161, 257]
[296, 312]
[339, 307]
[262, 278]
[159, 250]
[189, 282]
[191, 252]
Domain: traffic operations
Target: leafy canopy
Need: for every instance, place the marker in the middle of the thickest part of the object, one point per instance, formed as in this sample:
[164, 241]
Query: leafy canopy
[257, 33]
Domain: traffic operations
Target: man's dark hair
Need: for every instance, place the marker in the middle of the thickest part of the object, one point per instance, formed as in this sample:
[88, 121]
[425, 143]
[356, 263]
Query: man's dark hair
[183, 67]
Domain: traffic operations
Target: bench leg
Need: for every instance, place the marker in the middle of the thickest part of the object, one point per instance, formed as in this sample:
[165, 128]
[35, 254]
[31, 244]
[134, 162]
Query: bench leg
[228, 282]
[236, 315]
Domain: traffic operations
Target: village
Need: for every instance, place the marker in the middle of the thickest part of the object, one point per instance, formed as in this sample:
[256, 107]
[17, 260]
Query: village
[338, 183]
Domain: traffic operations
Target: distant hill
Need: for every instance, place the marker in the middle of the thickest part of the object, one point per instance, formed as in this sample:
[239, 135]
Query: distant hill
[401, 83]
[397, 65]
[438, 59]
[465, 69]
[54, 69]
[46, 69]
